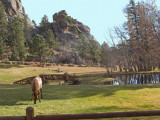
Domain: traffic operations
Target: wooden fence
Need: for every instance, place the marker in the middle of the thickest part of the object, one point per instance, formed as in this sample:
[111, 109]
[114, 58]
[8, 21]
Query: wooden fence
[73, 78]
[30, 115]
[46, 77]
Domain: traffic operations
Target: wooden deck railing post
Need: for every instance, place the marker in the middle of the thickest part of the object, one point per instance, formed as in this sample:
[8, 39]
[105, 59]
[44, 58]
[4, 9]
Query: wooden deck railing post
[30, 113]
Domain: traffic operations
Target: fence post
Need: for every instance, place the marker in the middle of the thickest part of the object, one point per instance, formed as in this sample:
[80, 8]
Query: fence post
[30, 113]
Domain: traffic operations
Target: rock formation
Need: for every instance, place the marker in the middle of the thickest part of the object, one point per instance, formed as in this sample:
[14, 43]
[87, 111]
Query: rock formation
[66, 29]
[14, 8]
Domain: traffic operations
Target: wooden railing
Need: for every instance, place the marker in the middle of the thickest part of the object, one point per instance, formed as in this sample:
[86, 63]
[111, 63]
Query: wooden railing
[30, 115]
[46, 77]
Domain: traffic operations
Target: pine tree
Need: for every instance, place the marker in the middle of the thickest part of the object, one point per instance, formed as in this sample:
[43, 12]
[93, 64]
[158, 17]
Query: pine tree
[2, 48]
[26, 29]
[40, 48]
[45, 19]
[42, 27]
[105, 54]
[75, 31]
[16, 39]
[51, 40]
[3, 31]
[34, 22]
[95, 52]
[83, 46]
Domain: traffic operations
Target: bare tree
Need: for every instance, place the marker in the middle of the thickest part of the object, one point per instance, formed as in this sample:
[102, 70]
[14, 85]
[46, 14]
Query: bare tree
[139, 43]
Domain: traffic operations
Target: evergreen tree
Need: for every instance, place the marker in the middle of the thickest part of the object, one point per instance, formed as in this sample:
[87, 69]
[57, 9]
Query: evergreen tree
[83, 46]
[75, 31]
[40, 48]
[2, 48]
[34, 22]
[105, 54]
[42, 27]
[26, 29]
[51, 40]
[45, 19]
[16, 39]
[95, 52]
[3, 31]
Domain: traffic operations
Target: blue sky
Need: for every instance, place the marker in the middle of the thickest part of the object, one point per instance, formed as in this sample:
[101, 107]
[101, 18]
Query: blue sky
[99, 15]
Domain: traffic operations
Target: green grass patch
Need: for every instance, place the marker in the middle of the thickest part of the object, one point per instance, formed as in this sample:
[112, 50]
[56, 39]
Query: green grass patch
[66, 99]
[96, 80]
[69, 99]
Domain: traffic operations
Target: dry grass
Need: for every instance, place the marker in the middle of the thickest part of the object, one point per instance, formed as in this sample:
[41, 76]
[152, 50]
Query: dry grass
[77, 69]
[11, 73]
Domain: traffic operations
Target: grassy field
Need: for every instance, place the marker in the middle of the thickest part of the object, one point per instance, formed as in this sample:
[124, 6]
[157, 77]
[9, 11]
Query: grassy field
[67, 99]
[11, 73]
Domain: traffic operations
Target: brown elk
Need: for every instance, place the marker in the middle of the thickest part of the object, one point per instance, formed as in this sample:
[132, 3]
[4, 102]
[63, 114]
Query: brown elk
[36, 89]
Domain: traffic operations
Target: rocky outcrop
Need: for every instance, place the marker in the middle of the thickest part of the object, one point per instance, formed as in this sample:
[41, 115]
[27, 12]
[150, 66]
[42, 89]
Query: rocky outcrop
[14, 8]
[68, 31]
[67, 28]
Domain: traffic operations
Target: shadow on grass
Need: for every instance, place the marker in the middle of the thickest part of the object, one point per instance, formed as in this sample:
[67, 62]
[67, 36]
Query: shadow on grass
[106, 109]
[13, 94]
[81, 91]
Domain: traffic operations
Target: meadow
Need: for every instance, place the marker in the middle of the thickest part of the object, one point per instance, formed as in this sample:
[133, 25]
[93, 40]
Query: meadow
[70, 99]
[11, 73]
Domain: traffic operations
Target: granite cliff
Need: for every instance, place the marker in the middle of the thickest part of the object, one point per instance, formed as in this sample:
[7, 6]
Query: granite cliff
[14, 8]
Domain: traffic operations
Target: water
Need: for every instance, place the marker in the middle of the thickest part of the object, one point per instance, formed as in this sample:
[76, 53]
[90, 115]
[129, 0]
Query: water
[135, 79]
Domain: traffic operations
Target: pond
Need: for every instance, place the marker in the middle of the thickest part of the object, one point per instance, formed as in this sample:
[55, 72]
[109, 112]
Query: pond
[134, 79]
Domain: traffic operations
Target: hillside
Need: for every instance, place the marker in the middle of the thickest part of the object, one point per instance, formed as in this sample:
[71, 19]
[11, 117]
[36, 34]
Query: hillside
[66, 30]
